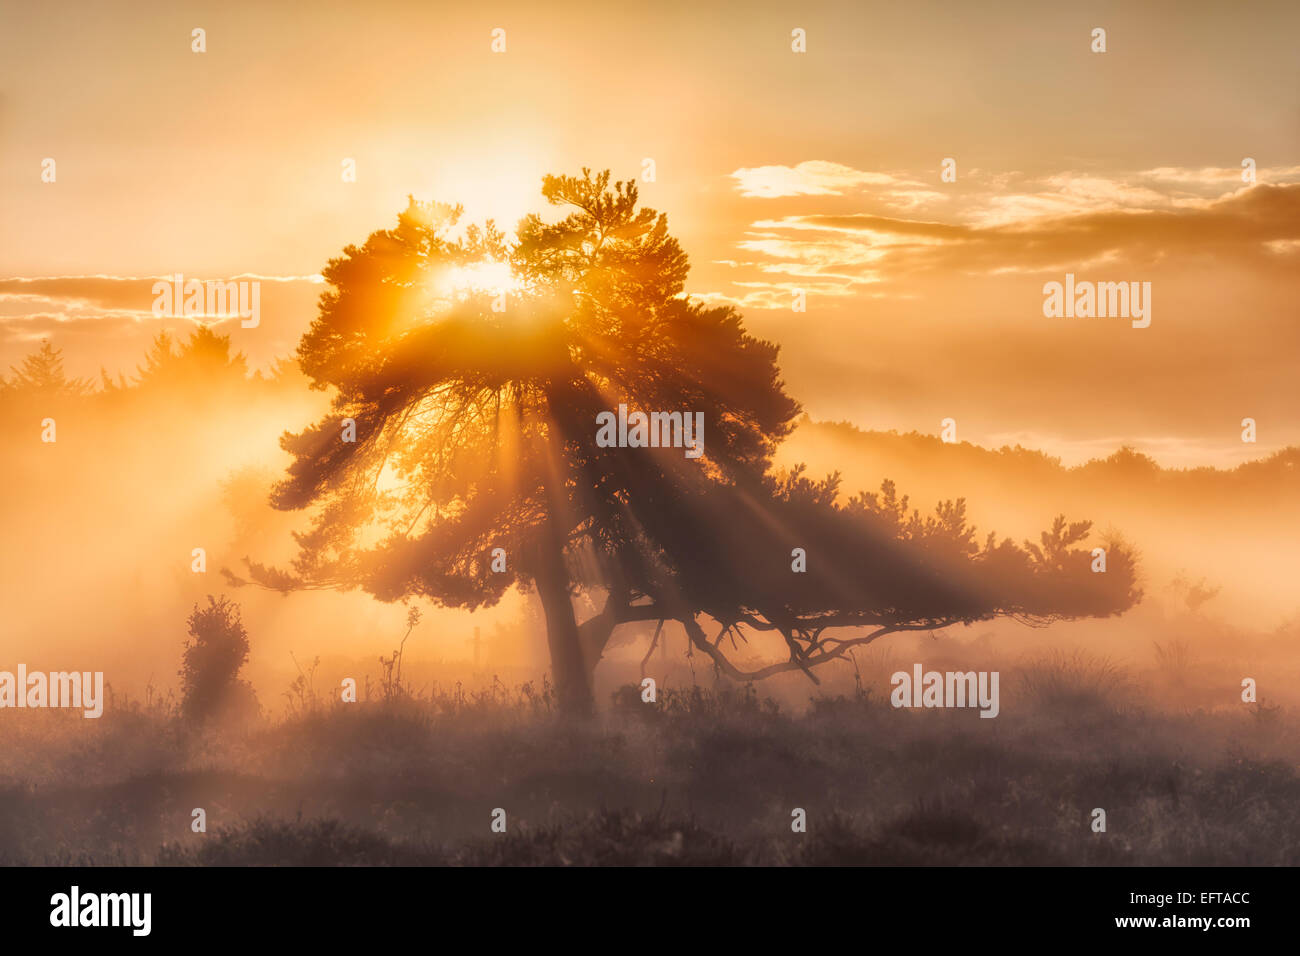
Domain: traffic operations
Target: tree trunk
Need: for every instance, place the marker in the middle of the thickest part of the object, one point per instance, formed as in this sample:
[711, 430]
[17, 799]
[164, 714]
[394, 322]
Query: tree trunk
[572, 677]
[569, 660]
[594, 633]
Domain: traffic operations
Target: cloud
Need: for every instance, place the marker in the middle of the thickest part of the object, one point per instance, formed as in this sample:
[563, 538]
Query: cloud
[1218, 178]
[814, 177]
[103, 320]
[1083, 221]
[887, 227]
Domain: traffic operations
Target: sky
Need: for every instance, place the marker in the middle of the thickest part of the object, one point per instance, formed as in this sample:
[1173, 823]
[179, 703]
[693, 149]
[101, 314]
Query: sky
[780, 172]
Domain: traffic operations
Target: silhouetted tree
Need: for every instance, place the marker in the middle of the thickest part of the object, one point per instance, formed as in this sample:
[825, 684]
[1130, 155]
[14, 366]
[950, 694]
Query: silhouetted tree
[475, 429]
[204, 359]
[41, 375]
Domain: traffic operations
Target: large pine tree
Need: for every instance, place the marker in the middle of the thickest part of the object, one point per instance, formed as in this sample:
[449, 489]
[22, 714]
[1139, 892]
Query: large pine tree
[474, 415]
[468, 371]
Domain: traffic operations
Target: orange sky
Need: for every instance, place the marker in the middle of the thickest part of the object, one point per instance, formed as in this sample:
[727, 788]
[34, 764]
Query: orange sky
[818, 171]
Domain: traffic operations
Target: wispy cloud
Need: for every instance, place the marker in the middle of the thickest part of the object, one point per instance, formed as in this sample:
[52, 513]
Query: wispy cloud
[1007, 224]
[814, 177]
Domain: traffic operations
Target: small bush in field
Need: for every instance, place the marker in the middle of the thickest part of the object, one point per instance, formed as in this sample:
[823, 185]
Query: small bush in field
[214, 653]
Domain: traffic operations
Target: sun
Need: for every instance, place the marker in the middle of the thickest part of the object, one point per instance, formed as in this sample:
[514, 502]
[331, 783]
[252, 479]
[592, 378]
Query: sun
[491, 277]
[447, 284]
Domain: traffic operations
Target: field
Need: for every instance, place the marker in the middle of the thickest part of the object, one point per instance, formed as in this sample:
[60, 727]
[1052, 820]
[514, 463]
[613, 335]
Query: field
[709, 774]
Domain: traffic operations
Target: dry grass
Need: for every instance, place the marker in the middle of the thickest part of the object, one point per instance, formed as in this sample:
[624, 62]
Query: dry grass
[705, 776]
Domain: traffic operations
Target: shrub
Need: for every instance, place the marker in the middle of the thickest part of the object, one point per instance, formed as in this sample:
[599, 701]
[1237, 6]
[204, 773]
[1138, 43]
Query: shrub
[214, 653]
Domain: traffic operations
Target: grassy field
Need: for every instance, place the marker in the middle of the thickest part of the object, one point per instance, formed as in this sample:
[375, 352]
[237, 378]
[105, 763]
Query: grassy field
[704, 776]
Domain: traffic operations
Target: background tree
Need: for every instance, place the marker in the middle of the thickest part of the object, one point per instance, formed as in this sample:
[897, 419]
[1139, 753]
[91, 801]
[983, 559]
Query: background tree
[41, 375]
[475, 429]
[202, 361]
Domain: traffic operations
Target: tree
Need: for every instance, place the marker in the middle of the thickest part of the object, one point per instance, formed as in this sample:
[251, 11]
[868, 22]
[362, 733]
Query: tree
[474, 427]
[41, 375]
[469, 371]
[203, 360]
[215, 651]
